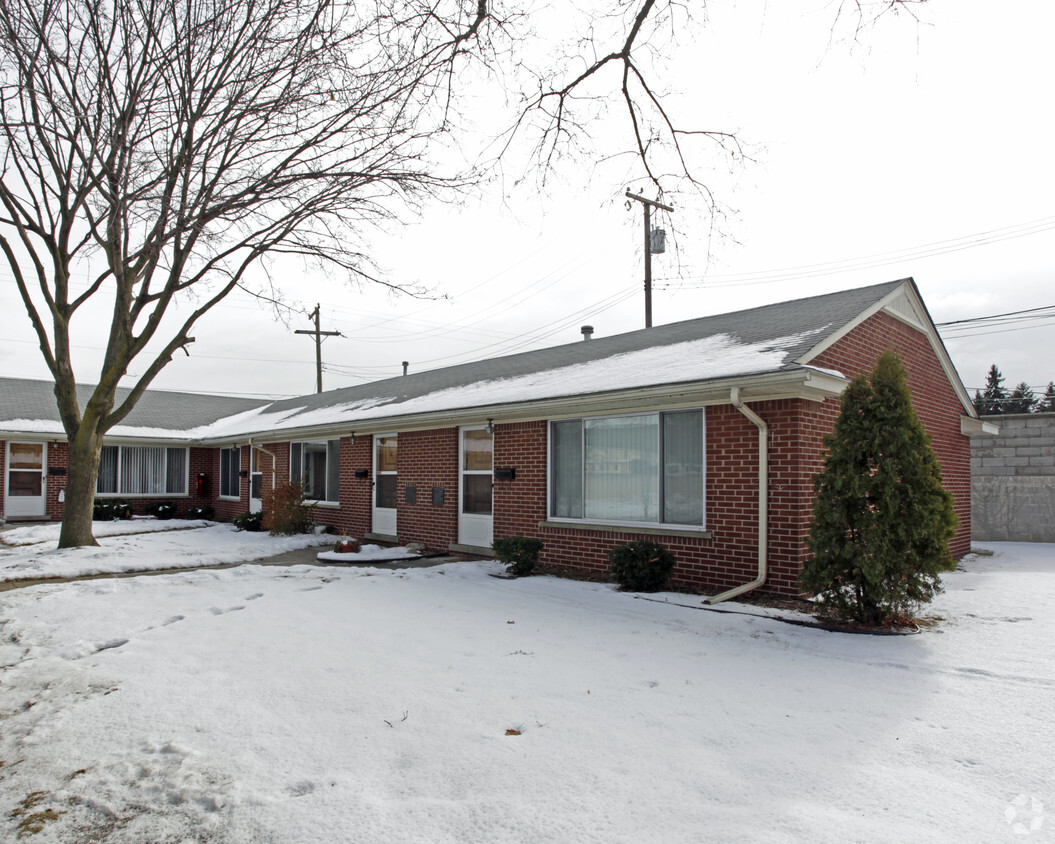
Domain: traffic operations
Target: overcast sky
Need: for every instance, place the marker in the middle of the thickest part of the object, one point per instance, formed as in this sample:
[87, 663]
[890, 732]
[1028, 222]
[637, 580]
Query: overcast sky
[923, 151]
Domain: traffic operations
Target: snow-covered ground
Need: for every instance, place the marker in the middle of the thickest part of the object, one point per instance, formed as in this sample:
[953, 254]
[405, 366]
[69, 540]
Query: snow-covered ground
[27, 553]
[303, 704]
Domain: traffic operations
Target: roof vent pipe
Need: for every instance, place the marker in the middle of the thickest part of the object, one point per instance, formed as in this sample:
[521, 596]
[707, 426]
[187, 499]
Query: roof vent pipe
[587, 332]
[406, 363]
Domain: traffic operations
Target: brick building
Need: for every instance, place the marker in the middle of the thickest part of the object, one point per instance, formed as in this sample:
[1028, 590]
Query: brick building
[703, 434]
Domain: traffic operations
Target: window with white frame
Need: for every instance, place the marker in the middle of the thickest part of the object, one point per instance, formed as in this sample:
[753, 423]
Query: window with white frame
[230, 467]
[316, 465]
[642, 468]
[142, 470]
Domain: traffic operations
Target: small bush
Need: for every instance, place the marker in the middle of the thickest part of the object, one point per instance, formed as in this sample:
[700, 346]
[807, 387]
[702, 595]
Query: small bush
[201, 511]
[519, 553]
[161, 509]
[249, 521]
[641, 566]
[285, 512]
[111, 509]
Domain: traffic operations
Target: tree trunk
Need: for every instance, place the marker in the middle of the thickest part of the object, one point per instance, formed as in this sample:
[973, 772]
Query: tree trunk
[85, 452]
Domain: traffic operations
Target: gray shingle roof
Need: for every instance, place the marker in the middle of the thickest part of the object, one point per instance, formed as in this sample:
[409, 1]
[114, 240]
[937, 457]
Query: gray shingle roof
[21, 398]
[799, 325]
[755, 325]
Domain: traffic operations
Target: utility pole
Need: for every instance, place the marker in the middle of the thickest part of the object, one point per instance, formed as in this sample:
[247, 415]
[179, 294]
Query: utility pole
[648, 205]
[319, 334]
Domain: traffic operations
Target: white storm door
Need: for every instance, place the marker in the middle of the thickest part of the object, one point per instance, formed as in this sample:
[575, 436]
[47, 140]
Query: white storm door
[26, 490]
[386, 448]
[256, 481]
[475, 490]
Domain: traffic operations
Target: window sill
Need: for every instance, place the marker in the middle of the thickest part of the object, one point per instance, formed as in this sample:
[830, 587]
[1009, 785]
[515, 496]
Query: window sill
[647, 530]
[229, 497]
[328, 505]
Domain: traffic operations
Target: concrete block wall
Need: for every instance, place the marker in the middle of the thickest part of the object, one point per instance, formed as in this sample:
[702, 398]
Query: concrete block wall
[1013, 480]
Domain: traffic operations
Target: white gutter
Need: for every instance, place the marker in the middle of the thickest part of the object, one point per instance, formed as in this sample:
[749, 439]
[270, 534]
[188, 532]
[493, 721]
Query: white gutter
[274, 463]
[763, 500]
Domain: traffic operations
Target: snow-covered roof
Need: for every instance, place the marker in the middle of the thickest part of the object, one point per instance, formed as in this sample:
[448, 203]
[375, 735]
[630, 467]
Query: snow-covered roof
[29, 406]
[763, 341]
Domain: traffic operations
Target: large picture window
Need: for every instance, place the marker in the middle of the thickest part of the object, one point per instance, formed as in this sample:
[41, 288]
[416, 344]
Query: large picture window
[317, 465]
[230, 468]
[644, 468]
[142, 470]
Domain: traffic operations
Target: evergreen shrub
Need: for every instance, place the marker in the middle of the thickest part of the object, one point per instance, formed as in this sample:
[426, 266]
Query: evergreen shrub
[251, 522]
[519, 553]
[882, 520]
[641, 565]
[161, 509]
[111, 509]
[201, 511]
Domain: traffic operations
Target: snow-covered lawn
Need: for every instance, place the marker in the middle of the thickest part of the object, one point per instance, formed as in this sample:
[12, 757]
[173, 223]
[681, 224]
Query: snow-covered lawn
[303, 704]
[30, 552]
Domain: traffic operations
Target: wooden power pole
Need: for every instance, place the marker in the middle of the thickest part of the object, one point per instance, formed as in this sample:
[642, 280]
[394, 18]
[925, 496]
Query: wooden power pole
[648, 205]
[319, 334]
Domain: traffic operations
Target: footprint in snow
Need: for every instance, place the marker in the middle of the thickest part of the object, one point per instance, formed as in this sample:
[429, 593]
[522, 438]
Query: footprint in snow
[172, 620]
[109, 646]
[219, 611]
[254, 596]
[300, 789]
[310, 589]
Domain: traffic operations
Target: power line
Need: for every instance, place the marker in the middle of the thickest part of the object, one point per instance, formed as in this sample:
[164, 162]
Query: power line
[879, 259]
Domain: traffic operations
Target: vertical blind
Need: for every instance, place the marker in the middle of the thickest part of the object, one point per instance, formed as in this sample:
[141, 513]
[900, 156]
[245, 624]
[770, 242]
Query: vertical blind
[142, 470]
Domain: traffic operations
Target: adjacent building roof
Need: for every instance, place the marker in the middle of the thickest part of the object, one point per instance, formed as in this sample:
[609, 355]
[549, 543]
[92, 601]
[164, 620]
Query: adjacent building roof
[768, 349]
[28, 406]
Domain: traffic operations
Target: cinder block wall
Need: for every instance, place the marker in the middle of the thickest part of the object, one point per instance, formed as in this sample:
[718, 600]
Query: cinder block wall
[1013, 480]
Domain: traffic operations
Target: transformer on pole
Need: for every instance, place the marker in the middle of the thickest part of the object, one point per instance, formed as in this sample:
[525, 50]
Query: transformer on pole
[655, 243]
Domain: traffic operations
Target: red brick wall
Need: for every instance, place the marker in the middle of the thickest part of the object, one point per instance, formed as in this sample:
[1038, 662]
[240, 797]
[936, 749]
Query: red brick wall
[428, 459]
[226, 508]
[933, 398]
[58, 457]
[726, 559]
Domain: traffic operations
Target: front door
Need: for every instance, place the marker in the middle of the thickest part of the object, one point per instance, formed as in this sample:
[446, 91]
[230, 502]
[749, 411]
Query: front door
[475, 500]
[256, 481]
[26, 490]
[386, 448]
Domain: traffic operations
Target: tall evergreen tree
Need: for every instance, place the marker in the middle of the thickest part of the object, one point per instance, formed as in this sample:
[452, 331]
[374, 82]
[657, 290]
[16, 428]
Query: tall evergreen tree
[1021, 400]
[994, 398]
[882, 520]
[1047, 402]
[979, 403]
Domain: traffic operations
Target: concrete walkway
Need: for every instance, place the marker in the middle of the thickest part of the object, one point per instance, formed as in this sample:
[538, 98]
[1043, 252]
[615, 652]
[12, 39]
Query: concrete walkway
[300, 557]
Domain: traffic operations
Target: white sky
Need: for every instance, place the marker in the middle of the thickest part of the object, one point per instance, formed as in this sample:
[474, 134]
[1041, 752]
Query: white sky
[915, 137]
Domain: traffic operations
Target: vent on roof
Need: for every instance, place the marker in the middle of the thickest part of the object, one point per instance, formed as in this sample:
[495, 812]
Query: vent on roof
[587, 332]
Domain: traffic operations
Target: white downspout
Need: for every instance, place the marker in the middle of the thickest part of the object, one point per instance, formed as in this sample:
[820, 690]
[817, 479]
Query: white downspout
[763, 500]
[274, 462]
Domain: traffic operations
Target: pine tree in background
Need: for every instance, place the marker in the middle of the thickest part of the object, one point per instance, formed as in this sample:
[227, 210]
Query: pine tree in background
[882, 521]
[979, 403]
[1021, 400]
[994, 398]
[1047, 403]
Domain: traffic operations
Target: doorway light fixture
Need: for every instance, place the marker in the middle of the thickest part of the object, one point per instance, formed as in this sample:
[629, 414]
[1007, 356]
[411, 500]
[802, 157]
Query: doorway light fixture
[490, 426]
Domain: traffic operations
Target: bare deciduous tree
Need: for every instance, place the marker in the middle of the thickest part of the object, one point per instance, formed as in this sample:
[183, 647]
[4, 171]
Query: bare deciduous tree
[177, 143]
